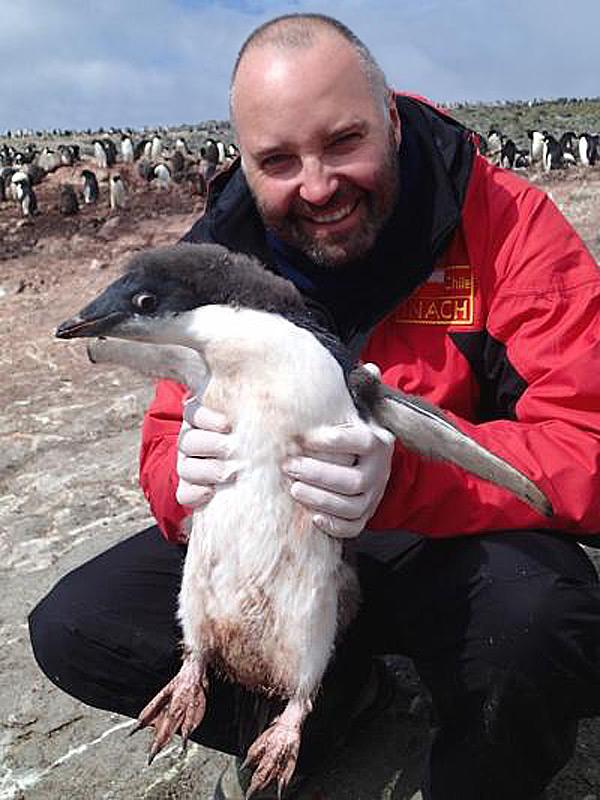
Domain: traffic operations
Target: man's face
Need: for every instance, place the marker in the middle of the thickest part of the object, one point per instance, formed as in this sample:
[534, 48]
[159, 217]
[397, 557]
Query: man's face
[319, 151]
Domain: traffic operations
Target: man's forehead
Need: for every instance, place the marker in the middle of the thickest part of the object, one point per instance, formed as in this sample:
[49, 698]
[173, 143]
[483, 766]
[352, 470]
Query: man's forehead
[269, 64]
[274, 82]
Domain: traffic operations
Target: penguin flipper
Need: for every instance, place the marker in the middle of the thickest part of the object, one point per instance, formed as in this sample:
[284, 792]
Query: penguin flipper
[173, 362]
[423, 428]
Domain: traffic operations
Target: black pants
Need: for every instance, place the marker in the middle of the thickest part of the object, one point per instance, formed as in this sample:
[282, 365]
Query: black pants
[503, 629]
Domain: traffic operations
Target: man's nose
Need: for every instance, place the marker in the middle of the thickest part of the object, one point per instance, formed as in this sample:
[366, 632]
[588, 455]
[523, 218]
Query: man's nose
[317, 183]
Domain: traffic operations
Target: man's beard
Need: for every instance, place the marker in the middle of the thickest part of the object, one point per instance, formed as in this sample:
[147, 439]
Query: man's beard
[333, 251]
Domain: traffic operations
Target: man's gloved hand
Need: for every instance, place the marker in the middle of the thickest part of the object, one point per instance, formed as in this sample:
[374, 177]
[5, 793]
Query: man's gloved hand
[343, 475]
[204, 454]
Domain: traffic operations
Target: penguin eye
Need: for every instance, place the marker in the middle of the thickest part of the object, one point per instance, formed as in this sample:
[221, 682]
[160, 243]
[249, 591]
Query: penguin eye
[144, 302]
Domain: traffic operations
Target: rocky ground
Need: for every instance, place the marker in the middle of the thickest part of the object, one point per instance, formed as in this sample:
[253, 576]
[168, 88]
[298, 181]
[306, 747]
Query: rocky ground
[68, 489]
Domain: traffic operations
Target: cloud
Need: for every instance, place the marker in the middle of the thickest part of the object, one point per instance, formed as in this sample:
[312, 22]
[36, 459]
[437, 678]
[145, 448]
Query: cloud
[105, 62]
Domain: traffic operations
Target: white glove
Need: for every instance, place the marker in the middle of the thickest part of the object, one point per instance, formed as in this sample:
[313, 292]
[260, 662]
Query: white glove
[204, 454]
[343, 476]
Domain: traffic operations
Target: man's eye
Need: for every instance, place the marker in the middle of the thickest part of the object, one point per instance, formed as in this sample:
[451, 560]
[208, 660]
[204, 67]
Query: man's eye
[276, 161]
[346, 139]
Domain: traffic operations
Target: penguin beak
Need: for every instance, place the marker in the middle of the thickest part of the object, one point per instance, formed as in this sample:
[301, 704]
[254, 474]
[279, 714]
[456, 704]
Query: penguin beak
[79, 326]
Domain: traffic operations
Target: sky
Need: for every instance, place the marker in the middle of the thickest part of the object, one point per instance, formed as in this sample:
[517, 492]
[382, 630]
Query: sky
[81, 64]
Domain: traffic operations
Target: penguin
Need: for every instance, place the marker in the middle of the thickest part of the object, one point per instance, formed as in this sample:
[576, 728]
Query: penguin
[508, 154]
[181, 146]
[265, 607]
[49, 160]
[110, 149]
[145, 169]
[127, 151]
[17, 180]
[568, 142]
[27, 156]
[27, 199]
[100, 154]
[90, 187]
[118, 195]
[536, 143]
[162, 176]
[156, 148]
[140, 148]
[552, 153]
[521, 159]
[494, 143]
[210, 152]
[68, 204]
[232, 152]
[588, 149]
[67, 155]
[5, 156]
[178, 166]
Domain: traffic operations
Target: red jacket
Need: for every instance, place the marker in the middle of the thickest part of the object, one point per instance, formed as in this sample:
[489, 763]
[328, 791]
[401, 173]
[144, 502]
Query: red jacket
[504, 335]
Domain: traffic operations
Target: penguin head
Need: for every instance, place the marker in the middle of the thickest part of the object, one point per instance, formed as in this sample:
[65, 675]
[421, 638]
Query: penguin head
[164, 282]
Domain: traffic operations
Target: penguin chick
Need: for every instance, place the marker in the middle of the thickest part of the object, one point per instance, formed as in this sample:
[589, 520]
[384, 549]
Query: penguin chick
[68, 205]
[264, 595]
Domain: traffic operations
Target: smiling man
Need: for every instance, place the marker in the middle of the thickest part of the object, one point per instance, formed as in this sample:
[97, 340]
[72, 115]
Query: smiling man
[465, 285]
[324, 182]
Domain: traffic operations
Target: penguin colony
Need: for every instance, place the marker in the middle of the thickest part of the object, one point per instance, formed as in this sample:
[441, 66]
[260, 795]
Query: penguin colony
[264, 595]
[91, 168]
[544, 150]
[162, 158]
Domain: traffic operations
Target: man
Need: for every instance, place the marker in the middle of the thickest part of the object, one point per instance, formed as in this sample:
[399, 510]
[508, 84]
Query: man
[465, 285]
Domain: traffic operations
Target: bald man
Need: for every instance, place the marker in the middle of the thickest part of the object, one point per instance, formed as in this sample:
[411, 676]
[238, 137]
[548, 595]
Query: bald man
[463, 284]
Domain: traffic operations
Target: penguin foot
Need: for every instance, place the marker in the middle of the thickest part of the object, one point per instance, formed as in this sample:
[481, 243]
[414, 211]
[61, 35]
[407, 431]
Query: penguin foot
[274, 754]
[178, 708]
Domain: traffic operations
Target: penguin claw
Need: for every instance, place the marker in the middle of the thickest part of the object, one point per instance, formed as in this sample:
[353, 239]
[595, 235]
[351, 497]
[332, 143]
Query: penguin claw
[137, 727]
[154, 751]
